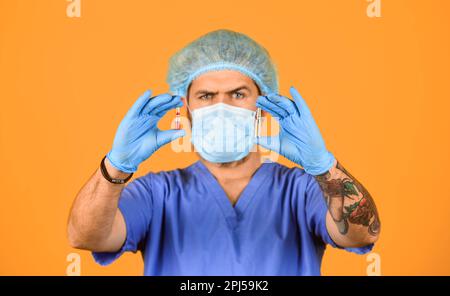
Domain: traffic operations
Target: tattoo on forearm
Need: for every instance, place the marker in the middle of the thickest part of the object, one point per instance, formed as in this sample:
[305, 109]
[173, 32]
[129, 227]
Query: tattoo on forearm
[348, 201]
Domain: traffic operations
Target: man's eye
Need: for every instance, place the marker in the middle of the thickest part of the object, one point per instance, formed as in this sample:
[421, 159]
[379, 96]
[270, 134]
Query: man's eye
[238, 95]
[205, 97]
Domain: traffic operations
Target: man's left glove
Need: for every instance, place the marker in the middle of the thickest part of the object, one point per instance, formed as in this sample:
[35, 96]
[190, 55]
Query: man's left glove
[299, 139]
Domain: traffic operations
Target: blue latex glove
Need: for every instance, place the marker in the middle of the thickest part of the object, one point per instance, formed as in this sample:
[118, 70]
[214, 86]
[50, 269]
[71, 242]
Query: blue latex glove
[138, 136]
[299, 139]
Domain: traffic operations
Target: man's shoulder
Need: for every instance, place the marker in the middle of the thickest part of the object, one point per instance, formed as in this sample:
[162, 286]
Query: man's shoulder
[184, 174]
[283, 169]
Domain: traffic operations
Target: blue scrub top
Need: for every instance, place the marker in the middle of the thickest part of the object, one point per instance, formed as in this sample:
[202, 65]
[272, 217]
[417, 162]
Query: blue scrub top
[184, 224]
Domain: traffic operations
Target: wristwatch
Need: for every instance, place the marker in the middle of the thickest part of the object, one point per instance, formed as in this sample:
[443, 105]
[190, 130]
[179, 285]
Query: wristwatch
[108, 177]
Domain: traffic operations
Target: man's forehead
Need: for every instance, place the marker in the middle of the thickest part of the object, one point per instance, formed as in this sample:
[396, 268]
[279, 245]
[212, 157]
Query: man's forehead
[221, 81]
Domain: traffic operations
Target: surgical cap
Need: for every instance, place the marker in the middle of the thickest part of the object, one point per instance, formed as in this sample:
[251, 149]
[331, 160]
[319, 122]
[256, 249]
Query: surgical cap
[222, 50]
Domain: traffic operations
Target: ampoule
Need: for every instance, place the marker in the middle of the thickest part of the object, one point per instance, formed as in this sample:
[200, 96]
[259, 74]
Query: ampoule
[258, 123]
[177, 118]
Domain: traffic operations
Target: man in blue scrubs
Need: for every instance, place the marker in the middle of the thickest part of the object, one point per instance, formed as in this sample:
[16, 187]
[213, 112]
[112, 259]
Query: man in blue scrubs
[228, 213]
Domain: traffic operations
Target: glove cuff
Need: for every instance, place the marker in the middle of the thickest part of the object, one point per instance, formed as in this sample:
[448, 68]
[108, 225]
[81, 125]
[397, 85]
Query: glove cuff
[323, 166]
[118, 166]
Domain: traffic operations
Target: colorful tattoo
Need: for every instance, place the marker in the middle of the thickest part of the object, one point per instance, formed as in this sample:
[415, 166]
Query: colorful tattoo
[348, 201]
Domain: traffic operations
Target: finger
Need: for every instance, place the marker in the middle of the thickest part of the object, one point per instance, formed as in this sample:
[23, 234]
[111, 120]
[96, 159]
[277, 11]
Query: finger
[271, 143]
[140, 103]
[155, 102]
[164, 111]
[299, 102]
[282, 102]
[263, 103]
[272, 105]
[173, 103]
[270, 111]
[164, 137]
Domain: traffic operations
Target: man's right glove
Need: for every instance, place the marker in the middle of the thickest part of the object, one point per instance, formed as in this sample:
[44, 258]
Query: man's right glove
[138, 136]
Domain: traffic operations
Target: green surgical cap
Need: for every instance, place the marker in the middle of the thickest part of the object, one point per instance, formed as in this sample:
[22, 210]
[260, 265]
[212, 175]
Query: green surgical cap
[222, 50]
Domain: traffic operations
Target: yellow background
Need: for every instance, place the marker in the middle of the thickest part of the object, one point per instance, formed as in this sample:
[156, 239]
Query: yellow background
[378, 89]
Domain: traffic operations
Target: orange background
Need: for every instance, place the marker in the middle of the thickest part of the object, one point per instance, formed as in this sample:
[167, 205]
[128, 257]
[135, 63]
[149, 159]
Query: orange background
[378, 88]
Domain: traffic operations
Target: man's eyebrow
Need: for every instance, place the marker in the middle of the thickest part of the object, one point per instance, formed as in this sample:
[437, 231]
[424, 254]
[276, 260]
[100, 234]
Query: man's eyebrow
[239, 88]
[204, 91]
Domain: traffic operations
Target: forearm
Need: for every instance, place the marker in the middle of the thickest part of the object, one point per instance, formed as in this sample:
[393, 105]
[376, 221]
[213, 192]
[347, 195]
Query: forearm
[94, 210]
[350, 206]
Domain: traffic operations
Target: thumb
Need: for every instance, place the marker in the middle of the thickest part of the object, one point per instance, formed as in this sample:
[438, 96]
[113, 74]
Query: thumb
[164, 137]
[271, 143]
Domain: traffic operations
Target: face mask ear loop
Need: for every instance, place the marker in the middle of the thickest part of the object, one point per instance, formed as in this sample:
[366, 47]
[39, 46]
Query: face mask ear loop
[187, 106]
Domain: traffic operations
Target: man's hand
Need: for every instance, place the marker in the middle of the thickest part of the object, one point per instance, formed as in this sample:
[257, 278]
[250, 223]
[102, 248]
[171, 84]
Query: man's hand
[138, 136]
[95, 222]
[352, 218]
[299, 139]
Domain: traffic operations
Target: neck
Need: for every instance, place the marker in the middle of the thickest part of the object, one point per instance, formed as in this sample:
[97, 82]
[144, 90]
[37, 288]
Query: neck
[241, 169]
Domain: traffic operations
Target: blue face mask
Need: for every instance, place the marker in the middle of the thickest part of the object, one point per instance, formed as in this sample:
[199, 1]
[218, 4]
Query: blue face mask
[223, 133]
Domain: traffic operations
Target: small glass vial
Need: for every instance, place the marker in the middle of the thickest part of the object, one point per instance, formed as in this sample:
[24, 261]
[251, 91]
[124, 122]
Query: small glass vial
[177, 118]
